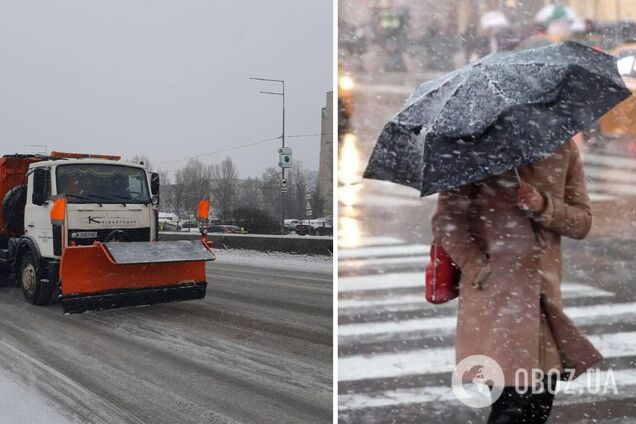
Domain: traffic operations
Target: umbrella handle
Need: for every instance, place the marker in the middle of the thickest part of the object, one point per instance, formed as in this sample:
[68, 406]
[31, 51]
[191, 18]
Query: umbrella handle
[527, 212]
[536, 228]
[518, 177]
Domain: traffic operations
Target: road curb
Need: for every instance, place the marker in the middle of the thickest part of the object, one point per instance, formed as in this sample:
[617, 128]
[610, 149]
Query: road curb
[307, 245]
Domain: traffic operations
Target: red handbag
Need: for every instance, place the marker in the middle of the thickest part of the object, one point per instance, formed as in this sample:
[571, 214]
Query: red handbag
[442, 276]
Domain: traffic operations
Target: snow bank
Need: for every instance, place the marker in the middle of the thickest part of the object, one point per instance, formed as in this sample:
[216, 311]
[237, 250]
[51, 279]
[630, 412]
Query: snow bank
[276, 260]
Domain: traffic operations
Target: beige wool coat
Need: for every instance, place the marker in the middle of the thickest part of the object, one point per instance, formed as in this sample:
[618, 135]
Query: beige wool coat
[502, 316]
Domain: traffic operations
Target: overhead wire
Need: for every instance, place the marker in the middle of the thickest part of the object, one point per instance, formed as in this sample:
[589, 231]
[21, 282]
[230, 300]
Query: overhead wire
[241, 146]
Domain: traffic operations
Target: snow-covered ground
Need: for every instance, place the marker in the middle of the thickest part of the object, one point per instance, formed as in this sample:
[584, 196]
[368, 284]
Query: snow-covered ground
[20, 404]
[277, 260]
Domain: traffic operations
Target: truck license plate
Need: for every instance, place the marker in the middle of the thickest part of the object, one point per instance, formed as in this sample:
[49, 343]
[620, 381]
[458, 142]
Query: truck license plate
[86, 234]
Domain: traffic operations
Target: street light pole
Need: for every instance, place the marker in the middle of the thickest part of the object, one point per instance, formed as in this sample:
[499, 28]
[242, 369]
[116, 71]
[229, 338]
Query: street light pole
[282, 195]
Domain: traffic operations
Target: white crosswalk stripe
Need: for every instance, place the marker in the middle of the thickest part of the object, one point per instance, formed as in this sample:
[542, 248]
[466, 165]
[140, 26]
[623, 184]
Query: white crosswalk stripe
[438, 360]
[402, 261]
[442, 326]
[611, 188]
[626, 379]
[380, 282]
[383, 251]
[608, 161]
[373, 241]
[416, 280]
[609, 176]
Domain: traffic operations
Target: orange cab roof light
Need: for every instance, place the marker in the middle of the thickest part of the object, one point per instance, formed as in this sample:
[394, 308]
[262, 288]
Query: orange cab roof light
[67, 155]
[203, 211]
[58, 211]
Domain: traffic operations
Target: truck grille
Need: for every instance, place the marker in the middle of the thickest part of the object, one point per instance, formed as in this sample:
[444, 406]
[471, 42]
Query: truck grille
[135, 234]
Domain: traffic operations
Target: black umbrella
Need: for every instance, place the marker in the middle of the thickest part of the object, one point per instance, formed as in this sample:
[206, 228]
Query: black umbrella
[507, 110]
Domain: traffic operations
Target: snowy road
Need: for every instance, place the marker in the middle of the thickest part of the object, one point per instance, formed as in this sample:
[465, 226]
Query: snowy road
[396, 352]
[256, 349]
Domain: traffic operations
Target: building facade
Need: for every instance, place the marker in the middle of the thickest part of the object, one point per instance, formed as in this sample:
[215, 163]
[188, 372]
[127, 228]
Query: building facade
[325, 170]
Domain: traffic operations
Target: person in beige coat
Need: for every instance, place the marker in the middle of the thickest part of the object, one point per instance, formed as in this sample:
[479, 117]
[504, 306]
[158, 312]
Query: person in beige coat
[510, 306]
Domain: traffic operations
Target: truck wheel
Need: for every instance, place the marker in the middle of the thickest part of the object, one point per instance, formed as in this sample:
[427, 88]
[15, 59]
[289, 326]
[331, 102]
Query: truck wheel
[35, 292]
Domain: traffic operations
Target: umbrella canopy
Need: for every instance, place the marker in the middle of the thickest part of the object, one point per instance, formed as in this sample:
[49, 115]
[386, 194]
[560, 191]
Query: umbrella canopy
[507, 110]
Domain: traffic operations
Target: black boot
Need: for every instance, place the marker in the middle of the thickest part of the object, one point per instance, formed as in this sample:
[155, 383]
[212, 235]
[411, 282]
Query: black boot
[510, 408]
[527, 408]
[541, 404]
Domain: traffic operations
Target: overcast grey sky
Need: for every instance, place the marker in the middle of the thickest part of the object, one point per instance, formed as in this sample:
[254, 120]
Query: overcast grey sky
[166, 79]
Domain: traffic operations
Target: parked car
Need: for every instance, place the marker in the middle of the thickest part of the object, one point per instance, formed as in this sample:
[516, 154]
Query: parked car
[290, 224]
[168, 222]
[315, 227]
[189, 225]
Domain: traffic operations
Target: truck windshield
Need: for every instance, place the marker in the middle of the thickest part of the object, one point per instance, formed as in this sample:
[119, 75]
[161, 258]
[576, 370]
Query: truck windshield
[94, 183]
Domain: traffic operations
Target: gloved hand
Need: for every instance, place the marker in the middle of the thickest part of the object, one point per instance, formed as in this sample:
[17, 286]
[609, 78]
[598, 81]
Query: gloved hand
[529, 199]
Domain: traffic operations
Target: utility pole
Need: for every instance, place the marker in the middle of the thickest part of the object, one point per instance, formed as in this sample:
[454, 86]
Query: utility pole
[283, 181]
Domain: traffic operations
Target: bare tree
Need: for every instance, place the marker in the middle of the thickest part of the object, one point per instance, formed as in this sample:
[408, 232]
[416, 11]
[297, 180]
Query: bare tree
[297, 200]
[192, 183]
[166, 193]
[250, 194]
[317, 199]
[224, 186]
[164, 177]
[270, 190]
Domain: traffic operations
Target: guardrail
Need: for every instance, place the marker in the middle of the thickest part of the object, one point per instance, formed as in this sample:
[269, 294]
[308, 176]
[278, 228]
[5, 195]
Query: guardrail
[309, 245]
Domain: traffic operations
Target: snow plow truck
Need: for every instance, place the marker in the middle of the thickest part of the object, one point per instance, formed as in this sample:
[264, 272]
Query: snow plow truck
[83, 229]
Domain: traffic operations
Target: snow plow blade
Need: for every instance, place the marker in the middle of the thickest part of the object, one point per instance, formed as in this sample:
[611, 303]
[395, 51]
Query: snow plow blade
[116, 275]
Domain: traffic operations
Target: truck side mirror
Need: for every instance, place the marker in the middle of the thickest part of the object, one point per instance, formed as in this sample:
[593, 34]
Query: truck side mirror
[41, 186]
[154, 183]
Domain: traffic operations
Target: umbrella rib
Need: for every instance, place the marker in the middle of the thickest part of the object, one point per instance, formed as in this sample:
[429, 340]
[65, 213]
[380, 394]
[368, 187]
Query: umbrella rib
[501, 93]
[448, 99]
[416, 100]
[439, 112]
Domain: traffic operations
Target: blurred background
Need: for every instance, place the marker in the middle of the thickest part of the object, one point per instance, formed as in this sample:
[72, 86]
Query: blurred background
[386, 49]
